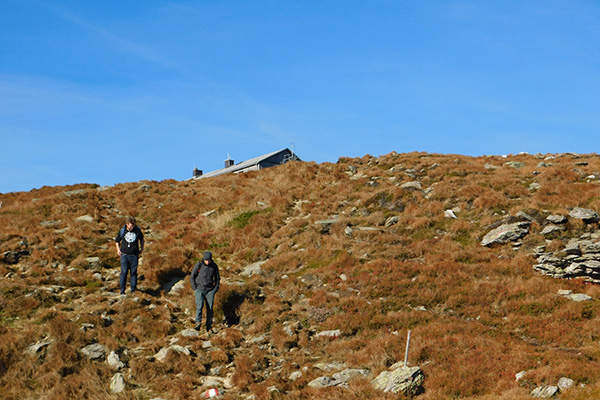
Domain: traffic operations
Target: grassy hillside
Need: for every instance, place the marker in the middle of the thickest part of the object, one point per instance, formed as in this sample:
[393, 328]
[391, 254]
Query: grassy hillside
[345, 246]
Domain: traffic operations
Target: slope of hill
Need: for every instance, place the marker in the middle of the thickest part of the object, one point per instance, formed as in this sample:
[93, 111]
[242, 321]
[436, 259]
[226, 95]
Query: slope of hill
[325, 268]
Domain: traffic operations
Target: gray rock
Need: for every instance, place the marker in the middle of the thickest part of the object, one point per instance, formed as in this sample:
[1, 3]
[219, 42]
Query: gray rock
[295, 375]
[557, 219]
[114, 362]
[162, 353]
[506, 233]
[190, 333]
[515, 164]
[39, 347]
[178, 288]
[253, 269]
[117, 383]
[534, 186]
[565, 383]
[321, 382]
[449, 214]
[545, 392]
[95, 351]
[343, 377]
[391, 221]
[329, 334]
[414, 185]
[551, 229]
[584, 214]
[338, 379]
[579, 297]
[348, 231]
[406, 380]
[85, 218]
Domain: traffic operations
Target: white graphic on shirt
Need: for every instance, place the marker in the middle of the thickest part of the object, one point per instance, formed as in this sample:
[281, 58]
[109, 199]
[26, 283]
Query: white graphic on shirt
[130, 238]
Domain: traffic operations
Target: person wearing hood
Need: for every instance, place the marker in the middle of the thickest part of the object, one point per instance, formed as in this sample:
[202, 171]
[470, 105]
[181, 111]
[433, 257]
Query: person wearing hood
[205, 280]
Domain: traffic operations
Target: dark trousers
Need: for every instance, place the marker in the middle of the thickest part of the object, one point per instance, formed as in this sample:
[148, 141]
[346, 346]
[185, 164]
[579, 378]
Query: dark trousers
[209, 299]
[129, 263]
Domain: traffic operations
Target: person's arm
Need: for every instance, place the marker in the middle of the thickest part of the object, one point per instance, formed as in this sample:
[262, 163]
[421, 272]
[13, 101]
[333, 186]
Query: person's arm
[193, 277]
[141, 245]
[118, 248]
[217, 278]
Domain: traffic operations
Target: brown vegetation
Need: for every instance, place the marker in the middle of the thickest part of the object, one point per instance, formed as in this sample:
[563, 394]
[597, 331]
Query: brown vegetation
[478, 315]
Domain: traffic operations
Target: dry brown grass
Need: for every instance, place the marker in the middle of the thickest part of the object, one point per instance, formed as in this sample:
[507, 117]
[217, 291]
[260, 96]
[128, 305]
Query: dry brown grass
[477, 315]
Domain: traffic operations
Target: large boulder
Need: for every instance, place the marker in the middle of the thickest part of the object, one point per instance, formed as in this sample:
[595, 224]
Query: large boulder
[584, 214]
[506, 233]
[405, 380]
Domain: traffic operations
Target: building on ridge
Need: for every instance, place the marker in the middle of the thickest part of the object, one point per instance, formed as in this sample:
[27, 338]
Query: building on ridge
[254, 164]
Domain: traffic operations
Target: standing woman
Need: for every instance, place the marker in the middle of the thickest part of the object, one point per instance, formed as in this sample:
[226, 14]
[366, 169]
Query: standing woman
[205, 281]
[130, 245]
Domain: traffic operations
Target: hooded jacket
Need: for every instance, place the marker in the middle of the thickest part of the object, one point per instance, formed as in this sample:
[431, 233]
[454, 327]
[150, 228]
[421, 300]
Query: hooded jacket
[205, 277]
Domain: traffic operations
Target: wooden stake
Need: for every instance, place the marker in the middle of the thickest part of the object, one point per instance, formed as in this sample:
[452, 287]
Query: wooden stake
[407, 345]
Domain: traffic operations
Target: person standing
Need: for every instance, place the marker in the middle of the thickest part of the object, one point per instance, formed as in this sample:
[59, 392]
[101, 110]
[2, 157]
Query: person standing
[130, 245]
[205, 280]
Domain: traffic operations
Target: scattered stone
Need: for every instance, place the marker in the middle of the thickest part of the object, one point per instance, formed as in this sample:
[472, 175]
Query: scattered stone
[557, 219]
[414, 185]
[334, 334]
[584, 214]
[534, 186]
[338, 379]
[520, 375]
[552, 229]
[515, 164]
[506, 233]
[114, 362]
[117, 383]
[85, 218]
[565, 383]
[190, 333]
[449, 214]
[253, 269]
[545, 392]
[405, 380]
[39, 347]
[326, 224]
[164, 352]
[95, 351]
[295, 375]
[391, 221]
[348, 231]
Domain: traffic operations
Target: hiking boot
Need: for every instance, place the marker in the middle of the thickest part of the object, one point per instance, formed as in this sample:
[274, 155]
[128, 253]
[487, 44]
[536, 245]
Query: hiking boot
[198, 326]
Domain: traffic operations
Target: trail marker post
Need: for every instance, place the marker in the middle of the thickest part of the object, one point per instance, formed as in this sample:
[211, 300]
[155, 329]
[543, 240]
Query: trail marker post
[407, 346]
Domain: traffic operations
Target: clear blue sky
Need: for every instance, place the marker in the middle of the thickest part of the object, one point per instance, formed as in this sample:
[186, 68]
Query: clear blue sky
[118, 91]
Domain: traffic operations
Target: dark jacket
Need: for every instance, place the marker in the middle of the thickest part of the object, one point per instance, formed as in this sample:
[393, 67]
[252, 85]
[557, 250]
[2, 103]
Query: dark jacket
[205, 277]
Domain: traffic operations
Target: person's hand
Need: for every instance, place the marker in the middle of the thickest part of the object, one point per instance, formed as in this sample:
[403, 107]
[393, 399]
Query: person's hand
[119, 253]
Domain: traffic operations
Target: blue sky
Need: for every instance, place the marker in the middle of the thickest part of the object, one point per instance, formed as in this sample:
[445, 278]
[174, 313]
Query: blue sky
[110, 91]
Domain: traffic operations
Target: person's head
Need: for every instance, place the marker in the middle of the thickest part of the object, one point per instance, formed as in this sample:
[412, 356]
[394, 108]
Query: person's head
[207, 257]
[130, 222]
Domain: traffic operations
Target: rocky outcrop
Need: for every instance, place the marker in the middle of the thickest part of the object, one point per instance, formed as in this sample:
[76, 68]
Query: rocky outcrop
[401, 379]
[579, 258]
[506, 233]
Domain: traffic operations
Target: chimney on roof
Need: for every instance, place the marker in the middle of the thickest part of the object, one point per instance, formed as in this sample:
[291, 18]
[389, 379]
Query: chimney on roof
[229, 162]
[197, 172]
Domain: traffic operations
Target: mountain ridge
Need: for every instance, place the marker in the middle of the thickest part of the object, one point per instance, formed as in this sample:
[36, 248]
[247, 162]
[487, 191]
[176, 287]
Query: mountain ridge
[364, 246]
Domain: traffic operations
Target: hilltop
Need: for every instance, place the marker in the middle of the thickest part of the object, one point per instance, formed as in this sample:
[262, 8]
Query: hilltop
[325, 268]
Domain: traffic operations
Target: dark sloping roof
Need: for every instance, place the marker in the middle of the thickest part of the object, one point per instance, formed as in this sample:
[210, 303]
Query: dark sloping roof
[244, 164]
